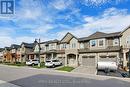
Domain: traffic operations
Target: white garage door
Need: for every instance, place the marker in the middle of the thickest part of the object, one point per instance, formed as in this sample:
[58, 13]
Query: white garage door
[88, 60]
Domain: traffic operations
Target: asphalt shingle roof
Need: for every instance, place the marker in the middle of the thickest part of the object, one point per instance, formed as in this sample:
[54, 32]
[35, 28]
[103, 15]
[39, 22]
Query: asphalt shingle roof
[100, 35]
[29, 45]
[15, 46]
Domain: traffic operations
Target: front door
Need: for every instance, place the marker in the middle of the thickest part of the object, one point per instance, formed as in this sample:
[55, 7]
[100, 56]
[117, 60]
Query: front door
[71, 59]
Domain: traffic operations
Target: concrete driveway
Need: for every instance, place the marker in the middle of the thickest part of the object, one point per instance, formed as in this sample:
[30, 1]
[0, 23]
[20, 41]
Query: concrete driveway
[28, 77]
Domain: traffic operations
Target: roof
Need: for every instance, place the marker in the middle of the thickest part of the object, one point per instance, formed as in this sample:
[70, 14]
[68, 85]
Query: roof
[108, 49]
[125, 29]
[1, 49]
[50, 41]
[15, 46]
[98, 35]
[68, 37]
[28, 45]
[7, 48]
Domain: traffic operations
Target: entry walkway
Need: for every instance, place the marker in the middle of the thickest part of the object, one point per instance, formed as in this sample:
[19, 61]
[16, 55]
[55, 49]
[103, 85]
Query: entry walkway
[86, 70]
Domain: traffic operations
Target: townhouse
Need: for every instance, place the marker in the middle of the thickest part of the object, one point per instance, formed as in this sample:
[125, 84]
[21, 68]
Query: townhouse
[25, 50]
[73, 51]
[14, 48]
[1, 54]
[48, 50]
[7, 55]
[99, 47]
[17, 53]
[125, 45]
[87, 51]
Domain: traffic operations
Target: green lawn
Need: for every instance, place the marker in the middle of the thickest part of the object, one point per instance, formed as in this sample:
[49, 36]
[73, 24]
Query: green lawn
[66, 68]
[15, 64]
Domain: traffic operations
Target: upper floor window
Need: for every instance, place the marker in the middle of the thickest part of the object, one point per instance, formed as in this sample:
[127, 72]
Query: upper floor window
[93, 43]
[81, 45]
[128, 40]
[101, 42]
[52, 46]
[64, 45]
[73, 45]
[22, 48]
[116, 41]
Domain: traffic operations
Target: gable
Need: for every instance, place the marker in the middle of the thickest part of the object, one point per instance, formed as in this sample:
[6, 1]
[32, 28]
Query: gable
[36, 48]
[67, 38]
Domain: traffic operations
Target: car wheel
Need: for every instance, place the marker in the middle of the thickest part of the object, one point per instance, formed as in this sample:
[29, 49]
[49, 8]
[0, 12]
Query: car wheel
[53, 66]
[33, 64]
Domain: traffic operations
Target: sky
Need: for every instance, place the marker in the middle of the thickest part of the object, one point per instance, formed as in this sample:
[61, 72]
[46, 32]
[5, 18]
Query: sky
[52, 19]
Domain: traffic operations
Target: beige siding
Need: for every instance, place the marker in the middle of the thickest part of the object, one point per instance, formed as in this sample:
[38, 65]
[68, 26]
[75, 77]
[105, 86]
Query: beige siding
[74, 40]
[67, 38]
[97, 44]
[109, 42]
[124, 37]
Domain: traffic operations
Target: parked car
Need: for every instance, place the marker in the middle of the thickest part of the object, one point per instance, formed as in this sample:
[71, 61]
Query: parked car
[53, 63]
[107, 66]
[32, 62]
[124, 75]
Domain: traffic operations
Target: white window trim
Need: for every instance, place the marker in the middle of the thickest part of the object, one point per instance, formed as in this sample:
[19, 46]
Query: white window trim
[91, 43]
[115, 41]
[103, 42]
[81, 45]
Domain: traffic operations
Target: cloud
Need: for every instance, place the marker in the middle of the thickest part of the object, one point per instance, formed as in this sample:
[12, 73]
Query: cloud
[4, 31]
[111, 20]
[96, 3]
[43, 29]
[61, 4]
[28, 9]
[6, 41]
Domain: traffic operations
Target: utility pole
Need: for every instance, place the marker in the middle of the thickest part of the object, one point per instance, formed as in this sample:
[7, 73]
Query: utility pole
[39, 51]
[129, 63]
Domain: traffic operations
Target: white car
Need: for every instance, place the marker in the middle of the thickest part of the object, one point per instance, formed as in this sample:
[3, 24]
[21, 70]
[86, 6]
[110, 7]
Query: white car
[32, 62]
[107, 65]
[53, 63]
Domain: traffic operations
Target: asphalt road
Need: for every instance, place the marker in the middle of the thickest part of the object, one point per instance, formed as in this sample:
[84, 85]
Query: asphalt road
[26, 77]
[115, 74]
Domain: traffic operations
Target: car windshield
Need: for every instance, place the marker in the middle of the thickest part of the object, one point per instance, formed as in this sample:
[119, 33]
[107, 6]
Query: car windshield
[34, 60]
[48, 61]
[55, 60]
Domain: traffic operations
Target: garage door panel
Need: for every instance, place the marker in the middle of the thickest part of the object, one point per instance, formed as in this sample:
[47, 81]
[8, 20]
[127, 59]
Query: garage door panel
[88, 61]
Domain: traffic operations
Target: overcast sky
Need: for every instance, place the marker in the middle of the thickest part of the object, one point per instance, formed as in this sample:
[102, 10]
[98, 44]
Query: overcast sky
[52, 19]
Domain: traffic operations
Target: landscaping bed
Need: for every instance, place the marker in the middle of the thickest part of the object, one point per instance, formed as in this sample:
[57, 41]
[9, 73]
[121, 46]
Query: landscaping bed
[66, 68]
[14, 64]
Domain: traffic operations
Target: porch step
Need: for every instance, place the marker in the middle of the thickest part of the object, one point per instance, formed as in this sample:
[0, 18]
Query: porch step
[85, 70]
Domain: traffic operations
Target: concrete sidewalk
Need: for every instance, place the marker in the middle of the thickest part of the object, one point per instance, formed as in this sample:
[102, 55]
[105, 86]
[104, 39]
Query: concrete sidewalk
[85, 70]
[6, 84]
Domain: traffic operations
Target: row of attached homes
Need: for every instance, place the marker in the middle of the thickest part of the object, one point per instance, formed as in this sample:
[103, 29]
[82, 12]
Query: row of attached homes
[73, 51]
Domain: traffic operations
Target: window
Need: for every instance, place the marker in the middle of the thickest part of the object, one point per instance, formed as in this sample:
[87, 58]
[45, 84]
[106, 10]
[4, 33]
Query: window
[81, 45]
[93, 43]
[52, 46]
[116, 41]
[73, 45]
[101, 42]
[64, 45]
[128, 40]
